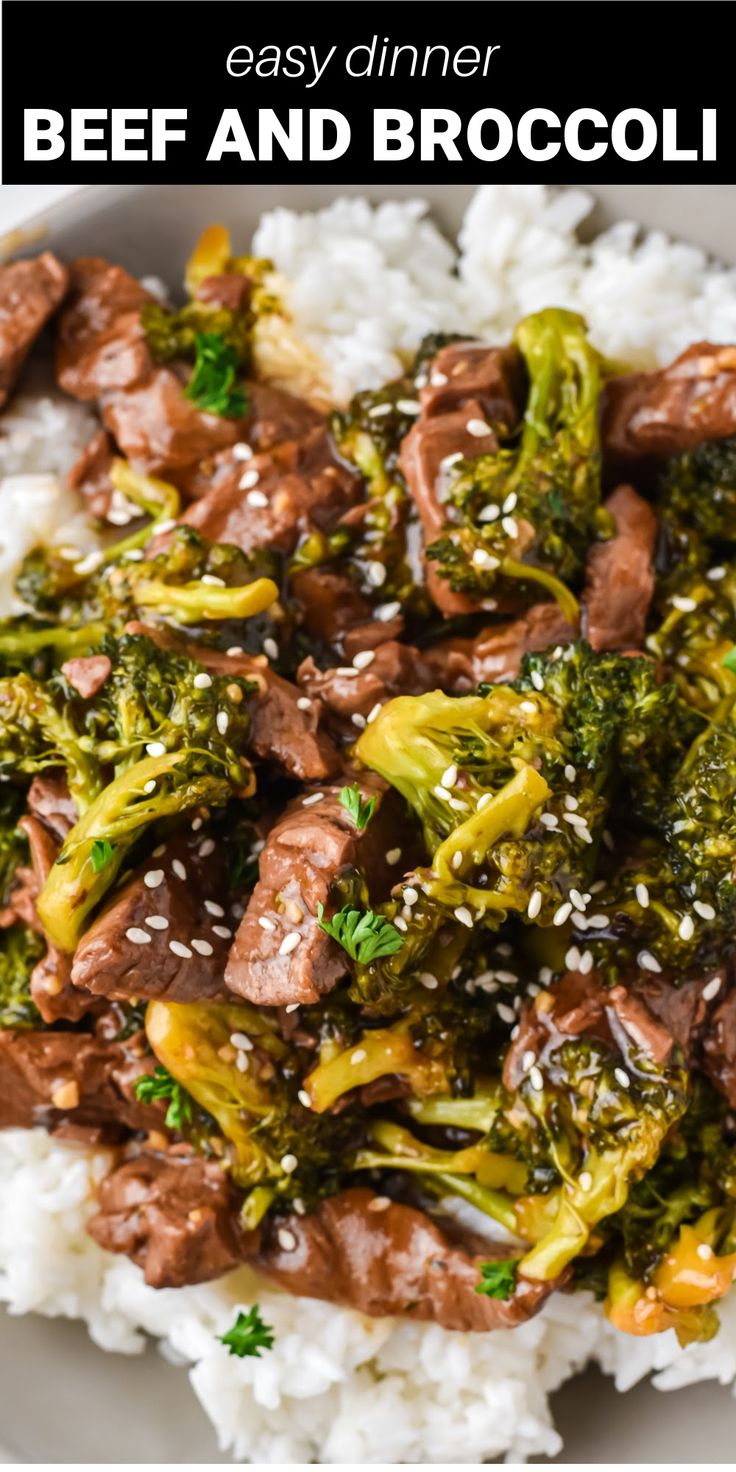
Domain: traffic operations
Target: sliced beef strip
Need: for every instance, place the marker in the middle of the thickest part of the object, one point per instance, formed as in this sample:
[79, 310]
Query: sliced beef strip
[336, 613]
[673, 409]
[90, 474]
[491, 378]
[620, 576]
[230, 290]
[174, 1215]
[52, 813]
[74, 1084]
[582, 1006]
[306, 488]
[347, 692]
[87, 673]
[313, 842]
[425, 448]
[176, 897]
[719, 1047]
[282, 731]
[496, 653]
[389, 1259]
[30, 291]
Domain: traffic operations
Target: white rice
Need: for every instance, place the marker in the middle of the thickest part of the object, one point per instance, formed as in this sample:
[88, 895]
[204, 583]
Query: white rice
[365, 286]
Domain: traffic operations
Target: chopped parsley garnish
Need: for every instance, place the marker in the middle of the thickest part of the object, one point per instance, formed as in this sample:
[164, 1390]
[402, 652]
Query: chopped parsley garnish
[212, 386]
[161, 1085]
[101, 854]
[364, 935]
[498, 1279]
[249, 1335]
[358, 811]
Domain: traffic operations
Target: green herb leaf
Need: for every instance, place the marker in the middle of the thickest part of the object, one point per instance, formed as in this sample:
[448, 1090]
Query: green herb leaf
[498, 1279]
[364, 935]
[212, 386]
[358, 811]
[249, 1335]
[161, 1085]
[101, 853]
[729, 660]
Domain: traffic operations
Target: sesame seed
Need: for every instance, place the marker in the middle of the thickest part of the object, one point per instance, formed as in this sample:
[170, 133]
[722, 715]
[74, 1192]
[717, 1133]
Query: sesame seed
[684, 605]
[622, 1077]
[510, 526]
[376, 574]
[642, 894]
[153, 878]
[90, 563]
[289, 943]
[549, 820]
[545, 974]
[178, 869]
[570, 772]
[649, 962]
[202, 681]
[155, 748]
[572, 959]
[686, 928]
[378, 410]
[359, 1056]
[157, 922]
[576, 819]
[287, 1240]
[265, 923]
[213, 908]
[289, 1163]
[234, 651]
[180, 949]
[577, 899]
[449, 776]
[203, 947]
[706, 912]
[438, 379]
[597, 922]
[271, 648]
[137, 936]
[212, 581]
[251, 478]
[222, 721]
[257, 498]
[150, 785]
[400, 924]
[241, 1040]
[704, 1251]
[241, 1062]
[304, 1098]
[241, 451]
[312, 799]
[712, 989]
[529, 707]
[571, 803]
[447, 461]
[379, 1203]
[386, 611]
[484, 800]
[409, 406]
[304, 703]
[528, 1059]
[477, 428]
[373, 713]
[491, 512]
[535, 904]
[457, 805]
[428, 980]
[579, 920]
[358, 720]
[536, 1079]
[411, 895]
[585, 1180]
[586, 963]
[714, 574]
[442, 793]
[484, 559]
[363, 658]
[393, 855]
[510, 502]
[222, 932]
[347, 671]
[457, 859]
[506, 1013]
[197, 824]
[291, 1007]
[537, 680]
[463, 914]
[562, 914]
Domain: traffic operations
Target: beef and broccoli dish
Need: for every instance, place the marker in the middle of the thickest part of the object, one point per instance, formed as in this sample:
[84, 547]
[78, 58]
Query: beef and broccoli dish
[368, 838]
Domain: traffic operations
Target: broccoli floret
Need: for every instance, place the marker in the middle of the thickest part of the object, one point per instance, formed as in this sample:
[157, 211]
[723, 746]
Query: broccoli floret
[38, 730]
[13, 843]
[695, 637]
[698, 490]
[20, 950]
[524, 516]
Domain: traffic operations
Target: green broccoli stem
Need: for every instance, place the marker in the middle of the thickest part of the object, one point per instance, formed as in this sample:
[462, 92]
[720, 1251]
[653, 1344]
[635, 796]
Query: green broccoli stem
[478, 1113]
[24, 641]
[563, 597]
[200, 602]
[156, 499]
[118, 815]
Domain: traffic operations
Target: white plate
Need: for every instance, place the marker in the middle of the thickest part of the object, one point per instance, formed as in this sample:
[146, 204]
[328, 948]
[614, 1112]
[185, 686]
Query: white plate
[63, 1400]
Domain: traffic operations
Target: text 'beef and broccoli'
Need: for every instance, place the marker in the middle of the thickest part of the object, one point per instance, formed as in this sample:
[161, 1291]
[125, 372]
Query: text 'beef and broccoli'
[368, 812]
